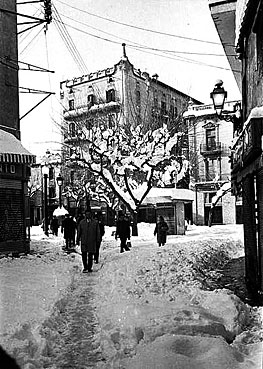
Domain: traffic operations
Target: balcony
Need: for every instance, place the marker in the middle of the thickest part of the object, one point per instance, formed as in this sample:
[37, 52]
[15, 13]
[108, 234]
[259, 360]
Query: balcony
[212, 149]
[88, 109]
[247, 147]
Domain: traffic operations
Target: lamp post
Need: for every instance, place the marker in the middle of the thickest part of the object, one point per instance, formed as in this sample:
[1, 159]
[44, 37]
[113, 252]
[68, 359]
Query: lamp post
[218, 96]
[45, 171]
[60, 181]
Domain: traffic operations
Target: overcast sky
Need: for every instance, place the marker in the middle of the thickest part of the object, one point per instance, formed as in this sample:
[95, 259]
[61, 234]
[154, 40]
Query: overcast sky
[169, 37]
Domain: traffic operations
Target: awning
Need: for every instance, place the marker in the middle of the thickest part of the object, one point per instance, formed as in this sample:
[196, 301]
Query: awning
[12, 151]
[167, 195]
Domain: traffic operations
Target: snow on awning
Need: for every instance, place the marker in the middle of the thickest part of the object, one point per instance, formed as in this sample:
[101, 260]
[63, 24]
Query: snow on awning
[12, 151]
[167, 195]
[60, 212]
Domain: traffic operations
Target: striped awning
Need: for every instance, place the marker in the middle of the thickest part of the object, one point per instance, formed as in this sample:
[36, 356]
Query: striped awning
[12, 150]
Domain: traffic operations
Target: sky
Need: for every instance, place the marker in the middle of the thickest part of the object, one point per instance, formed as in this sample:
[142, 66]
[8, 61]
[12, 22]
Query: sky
[169, 37]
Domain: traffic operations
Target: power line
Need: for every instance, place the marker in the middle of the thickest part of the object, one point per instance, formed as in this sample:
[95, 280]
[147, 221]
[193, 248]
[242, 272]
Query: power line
[140, 28]
[132, 46]
[143, 46]
[69, 42]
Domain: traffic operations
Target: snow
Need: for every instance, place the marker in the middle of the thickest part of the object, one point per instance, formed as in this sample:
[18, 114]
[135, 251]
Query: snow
[156, 306]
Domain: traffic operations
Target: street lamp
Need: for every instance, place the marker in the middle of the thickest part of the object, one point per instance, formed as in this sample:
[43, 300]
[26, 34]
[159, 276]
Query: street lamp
[218, 96]
[60, 180]
[45, 171]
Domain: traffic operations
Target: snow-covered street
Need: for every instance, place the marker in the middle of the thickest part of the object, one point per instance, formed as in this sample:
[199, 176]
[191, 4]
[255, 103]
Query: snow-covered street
[179, 306]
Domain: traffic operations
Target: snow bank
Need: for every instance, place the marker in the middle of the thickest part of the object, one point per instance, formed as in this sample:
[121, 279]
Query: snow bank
[154, 311]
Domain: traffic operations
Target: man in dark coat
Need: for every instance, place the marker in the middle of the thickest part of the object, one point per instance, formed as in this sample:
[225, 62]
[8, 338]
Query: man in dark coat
[123, 231]
[89, 238]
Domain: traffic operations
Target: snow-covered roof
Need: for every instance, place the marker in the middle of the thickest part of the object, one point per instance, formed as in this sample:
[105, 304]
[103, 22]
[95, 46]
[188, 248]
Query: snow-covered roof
[166, 195]
[12, 151]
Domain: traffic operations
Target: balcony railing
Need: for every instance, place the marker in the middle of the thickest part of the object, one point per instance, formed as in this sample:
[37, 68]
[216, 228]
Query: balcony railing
[215, 148]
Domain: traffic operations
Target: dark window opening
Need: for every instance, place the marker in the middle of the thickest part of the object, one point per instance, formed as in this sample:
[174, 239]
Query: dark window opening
[72, 129]
[110, 95]
[111, 121]
[71, 104]
[163, 108]
[91, 99]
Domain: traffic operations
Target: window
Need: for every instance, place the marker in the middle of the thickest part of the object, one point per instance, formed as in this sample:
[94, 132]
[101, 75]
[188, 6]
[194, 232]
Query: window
[71, 104]
[171, 112]
[91, 99]
[110, 95]
[138, 98]
[211, 169]
[111, 121]
[211, 138]
[51, 173]
[72, 130]
[163, 108]
[52, 192]
[72, 176]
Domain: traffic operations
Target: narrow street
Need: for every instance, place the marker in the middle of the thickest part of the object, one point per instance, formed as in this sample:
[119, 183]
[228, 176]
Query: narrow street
[72, 333]
[136, 302]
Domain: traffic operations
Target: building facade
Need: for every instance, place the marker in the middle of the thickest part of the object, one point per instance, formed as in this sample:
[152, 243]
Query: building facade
[15, 160]
[119, 96]
[247, 169]
[209, 141]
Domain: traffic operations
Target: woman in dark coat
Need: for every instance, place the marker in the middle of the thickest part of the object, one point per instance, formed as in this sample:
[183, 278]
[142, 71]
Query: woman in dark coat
[161, 230]
[89, 238]
[123, 231]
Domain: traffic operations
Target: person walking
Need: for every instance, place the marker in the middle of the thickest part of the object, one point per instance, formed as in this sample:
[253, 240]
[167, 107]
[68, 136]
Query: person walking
[54, 225]
[66, 229]
[99, 218]
[123, 231]
[89, 237]
[161, 230]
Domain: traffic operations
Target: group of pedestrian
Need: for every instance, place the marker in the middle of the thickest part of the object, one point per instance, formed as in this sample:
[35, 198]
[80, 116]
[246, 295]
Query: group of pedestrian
[90, 230]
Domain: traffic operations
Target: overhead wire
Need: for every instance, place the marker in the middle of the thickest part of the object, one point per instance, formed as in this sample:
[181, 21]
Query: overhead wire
[178, 58]
[140, 28]
[69, 42]
[144, 46]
